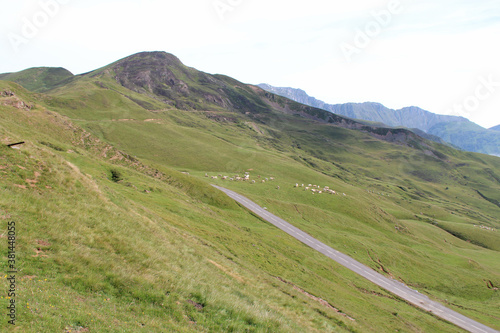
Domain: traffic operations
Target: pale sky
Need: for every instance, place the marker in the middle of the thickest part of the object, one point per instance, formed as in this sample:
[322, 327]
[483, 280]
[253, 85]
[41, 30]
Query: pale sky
[440, 55]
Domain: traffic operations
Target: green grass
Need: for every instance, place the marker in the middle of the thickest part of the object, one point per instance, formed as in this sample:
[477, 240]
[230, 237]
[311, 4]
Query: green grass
[39, 79]
[92, 257]
[144, 248]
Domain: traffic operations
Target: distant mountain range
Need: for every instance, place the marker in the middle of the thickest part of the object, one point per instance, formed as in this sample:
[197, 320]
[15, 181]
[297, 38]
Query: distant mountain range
[458, 131]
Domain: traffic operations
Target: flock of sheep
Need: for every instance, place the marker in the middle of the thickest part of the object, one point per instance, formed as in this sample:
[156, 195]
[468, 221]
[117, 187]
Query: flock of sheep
[315, 189]
[484, 227]
[246, 177]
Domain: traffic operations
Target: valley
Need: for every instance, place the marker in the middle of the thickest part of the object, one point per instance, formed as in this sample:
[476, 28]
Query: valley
[110, 189]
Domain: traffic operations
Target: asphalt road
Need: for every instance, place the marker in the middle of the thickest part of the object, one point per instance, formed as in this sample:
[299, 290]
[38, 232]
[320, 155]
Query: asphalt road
[393, 286]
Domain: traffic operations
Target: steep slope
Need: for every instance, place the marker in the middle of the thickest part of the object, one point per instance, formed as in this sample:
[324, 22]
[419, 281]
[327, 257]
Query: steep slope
[456, 130]
[110, 246]
[420, 212]
[142, 248]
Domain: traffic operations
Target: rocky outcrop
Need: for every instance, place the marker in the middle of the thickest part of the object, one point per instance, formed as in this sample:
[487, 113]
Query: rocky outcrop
[8, 98]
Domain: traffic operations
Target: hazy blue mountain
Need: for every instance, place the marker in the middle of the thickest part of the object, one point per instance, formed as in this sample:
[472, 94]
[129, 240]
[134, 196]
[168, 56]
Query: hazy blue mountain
[458, 131]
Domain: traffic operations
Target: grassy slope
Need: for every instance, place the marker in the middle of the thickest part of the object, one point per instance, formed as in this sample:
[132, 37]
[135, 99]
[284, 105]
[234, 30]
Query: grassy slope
[112, 258]
[39, 79]
[109, 257]
[433, 191]
[408, 243]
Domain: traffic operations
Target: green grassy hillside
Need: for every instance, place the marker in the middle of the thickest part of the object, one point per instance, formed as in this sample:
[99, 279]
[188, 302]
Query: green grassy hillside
[39, 79]
[158, 250]
[111, 222]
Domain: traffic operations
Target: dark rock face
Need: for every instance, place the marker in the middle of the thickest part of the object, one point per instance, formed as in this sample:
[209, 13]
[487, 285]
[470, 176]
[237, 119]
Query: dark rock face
[162, 76]
[151, 73]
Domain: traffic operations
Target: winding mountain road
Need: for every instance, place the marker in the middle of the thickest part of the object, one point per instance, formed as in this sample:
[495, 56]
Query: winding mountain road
[393, 286]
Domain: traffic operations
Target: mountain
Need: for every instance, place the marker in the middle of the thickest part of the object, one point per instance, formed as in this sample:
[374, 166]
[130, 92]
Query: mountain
[458, 131]
[496, 128]
[120, 229]
[39, 79]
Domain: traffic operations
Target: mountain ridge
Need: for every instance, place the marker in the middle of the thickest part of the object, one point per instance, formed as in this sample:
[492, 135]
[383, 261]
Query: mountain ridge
[458, 131]
[162, 77]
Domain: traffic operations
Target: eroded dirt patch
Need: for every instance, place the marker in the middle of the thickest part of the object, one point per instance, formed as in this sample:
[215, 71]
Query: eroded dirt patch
[227, 271]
